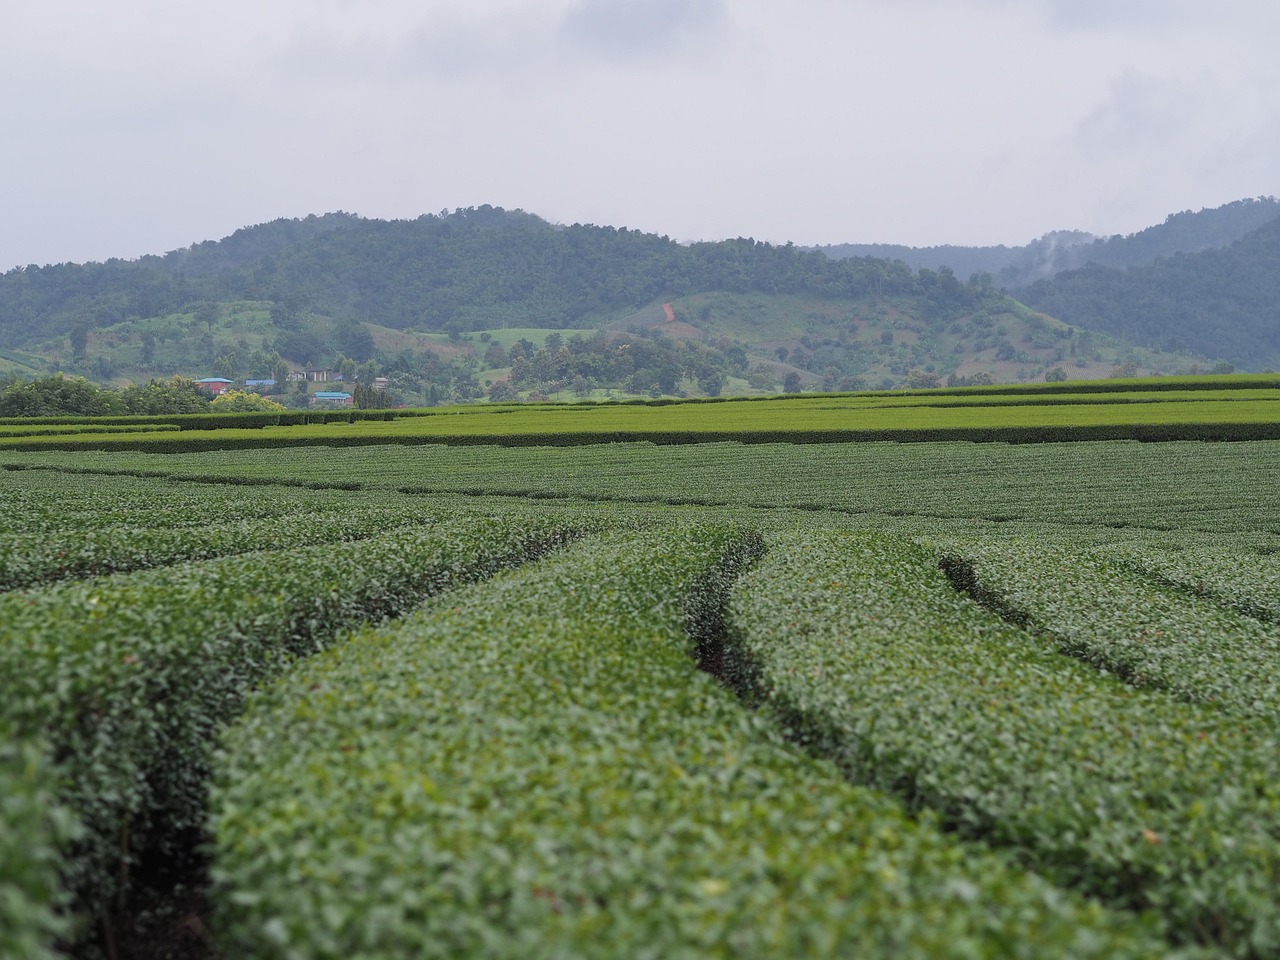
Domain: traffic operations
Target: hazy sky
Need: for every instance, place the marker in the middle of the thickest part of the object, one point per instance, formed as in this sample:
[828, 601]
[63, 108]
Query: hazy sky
[139, 126]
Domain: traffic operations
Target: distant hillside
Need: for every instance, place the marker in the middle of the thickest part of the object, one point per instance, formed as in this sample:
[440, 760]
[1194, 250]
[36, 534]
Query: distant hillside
[250, 245]
[1218, 303]
[430, 303]
[1037, 257]
[11, 366]
[469, 270]
[1017, 267]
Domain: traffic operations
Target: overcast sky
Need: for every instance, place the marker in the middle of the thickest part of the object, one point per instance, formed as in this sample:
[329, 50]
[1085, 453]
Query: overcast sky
[139, 126]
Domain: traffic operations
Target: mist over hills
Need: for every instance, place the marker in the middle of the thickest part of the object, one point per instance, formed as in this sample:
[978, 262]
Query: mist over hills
[1207, 282]
[1062, 250]
[1217, 302]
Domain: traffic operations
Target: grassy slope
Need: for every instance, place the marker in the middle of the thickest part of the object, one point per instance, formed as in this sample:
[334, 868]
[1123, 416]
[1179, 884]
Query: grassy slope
[965, 346]
[8, 366]
[888, 339]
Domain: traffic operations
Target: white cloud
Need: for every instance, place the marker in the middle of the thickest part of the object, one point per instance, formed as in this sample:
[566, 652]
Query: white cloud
[444, 44]
[1144, 114]
[643, 29]
[1125, 14]
[140, 125]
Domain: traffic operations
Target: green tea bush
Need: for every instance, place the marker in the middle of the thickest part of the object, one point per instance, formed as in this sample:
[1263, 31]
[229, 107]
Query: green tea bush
[1095, 606]
[1220, 415]
[29, 559]
[1214, 488]
[860, 646]
[1245, 581]
[50, 430]
[536, 769]
[1146, 432]
[32, 828]
[51, 503]
[128, 677]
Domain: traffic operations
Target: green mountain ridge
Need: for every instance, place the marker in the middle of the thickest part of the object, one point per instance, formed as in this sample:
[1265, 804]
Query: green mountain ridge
[425, 302]
[1062, 250]
[1223, 301]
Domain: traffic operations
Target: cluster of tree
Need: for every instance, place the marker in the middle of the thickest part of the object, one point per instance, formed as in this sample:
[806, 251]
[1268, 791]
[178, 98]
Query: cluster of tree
[638, 362]
[418, 379]
[1063, 250]
[58, 396]
[979, 379]
[1035, 259]
[303, 339]
[243, 401]
[1216, 303]
[844, 361]
[365, 397]
[258, 365]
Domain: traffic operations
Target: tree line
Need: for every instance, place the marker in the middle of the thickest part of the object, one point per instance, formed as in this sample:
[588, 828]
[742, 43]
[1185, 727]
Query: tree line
[73, 396]
[471, 269]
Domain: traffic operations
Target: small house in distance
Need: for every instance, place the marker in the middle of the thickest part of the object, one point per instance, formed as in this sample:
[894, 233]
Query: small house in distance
[214, 385]
[260, 384]
[334, 397]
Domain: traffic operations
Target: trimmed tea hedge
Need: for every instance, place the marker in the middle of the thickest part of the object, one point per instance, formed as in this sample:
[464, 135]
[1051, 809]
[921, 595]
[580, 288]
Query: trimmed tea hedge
[862, 648]
[32, 828]
[538, 770]
[49, 430]
[1248, 582]
[203, 421]
[127, 678]
[237, 440]
[1183, 486]
[28, 559]
[52, 502]
[1224, 415]
[1095, 606]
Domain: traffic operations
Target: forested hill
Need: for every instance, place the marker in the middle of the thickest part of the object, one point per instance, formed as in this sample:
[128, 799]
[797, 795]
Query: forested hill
[1001, 262]
[466, 270]
[1017, 267]
[326, 286]
[1218, 303]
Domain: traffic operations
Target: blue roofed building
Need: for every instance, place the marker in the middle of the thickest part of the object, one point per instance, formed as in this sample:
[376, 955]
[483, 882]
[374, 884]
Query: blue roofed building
[331, 398]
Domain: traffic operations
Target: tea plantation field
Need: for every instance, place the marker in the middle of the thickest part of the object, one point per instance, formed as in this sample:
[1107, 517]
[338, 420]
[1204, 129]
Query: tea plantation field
[697, 699]
[1233, 407]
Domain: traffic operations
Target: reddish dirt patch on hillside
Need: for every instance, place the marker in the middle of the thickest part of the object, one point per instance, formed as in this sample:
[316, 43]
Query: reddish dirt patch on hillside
[676, 329]
[681, 331]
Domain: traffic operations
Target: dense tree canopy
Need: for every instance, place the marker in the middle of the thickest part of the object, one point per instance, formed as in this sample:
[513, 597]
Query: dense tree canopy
[1061, 250]
[58, 395]
[470, 269]
[1218, 303]
[242, 401]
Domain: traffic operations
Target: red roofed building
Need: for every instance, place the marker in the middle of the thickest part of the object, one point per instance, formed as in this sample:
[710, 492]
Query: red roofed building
[214, 385]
